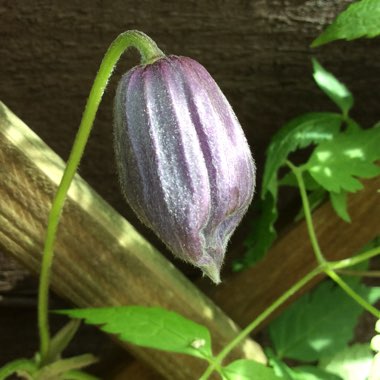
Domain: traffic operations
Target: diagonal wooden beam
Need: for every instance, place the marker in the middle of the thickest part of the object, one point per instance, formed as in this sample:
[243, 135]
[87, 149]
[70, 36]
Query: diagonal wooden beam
[100, 258]
[245, 295]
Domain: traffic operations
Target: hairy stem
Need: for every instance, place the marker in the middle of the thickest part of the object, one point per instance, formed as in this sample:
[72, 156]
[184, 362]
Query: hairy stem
[149, 53]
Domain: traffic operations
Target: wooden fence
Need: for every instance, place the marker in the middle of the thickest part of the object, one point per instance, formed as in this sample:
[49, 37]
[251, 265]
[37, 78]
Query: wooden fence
[101, 260]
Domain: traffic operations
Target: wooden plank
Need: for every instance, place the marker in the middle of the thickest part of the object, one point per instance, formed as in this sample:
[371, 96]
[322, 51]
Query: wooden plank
[245, 295]
[100, 259]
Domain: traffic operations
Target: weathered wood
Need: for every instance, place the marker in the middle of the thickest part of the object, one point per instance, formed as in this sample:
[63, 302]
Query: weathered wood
[258, 51]
[100, 259]
[246, 294]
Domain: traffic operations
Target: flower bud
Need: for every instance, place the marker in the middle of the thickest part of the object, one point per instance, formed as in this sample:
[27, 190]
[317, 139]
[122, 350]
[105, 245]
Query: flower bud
[184, 164]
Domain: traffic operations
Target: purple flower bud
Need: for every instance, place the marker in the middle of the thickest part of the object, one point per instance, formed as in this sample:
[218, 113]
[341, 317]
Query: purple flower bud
[184, 163]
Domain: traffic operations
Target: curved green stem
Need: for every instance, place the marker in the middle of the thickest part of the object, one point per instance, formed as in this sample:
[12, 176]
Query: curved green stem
[355, 260]
[306, 206]
[359, 273]
[149, 53]
[257, 321]
[344, 286]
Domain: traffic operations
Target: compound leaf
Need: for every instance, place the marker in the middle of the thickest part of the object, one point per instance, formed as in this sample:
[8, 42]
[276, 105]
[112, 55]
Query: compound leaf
[352, 363]
[311, 128]
[337, 164]
[319, 323]
[360, 19]
[149, 327]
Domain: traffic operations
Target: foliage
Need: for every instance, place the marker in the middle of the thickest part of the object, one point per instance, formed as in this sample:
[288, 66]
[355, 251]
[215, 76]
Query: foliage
[316, 328]
[360, 19]
[151, 327]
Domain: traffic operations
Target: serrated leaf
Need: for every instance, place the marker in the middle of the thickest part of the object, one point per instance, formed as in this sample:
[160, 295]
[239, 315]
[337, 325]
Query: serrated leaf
[352, 363]
[360, 19]
[332, 87]
[336, 165]
[298, 373]
[311, 128]
[262, 233]
[244, 369]
[298, 133]
[151, 327]
[339, 203]
[319, 323]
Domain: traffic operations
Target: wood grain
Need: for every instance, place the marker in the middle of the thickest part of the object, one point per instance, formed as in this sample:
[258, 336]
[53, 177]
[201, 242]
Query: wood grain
[100, 259]
[245, 295]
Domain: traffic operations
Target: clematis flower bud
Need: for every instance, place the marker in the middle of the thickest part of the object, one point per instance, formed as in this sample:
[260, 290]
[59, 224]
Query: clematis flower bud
[184, 163]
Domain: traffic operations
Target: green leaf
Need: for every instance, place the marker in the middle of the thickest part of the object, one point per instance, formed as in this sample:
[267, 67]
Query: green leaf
[298, 133]
[78, 375]
[312, 373]
[60, 367]
[339, 203]
[244, 369]
[360, 19]
[151, 327]
[333, 88]
[61, 340]
[299, 373]
[337, 164]
[319, 323]
[352, 363]
[311, 128]
[262, 233]
[23, 365]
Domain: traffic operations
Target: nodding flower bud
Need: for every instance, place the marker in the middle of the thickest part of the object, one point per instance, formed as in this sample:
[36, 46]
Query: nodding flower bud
[184, 163]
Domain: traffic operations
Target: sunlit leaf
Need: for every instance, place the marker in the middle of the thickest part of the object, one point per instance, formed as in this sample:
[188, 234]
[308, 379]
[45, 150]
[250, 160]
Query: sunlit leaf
[360, 19]
[248, 370]
[338, 164]
[298, 133]
[352, 363]
[311, 128]
[149, 327]
[333, 88]
[339, 203]
[299, 373]
[313, 373]
[319, 323]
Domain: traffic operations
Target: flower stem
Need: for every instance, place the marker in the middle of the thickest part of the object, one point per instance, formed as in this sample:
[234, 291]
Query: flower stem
[149, 53]
[306, 206]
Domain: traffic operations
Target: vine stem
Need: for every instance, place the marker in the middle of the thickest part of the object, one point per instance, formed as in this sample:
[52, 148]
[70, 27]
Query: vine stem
[149, 53]
[344, 286]
[306, 206]
[327, 267]
[256, 322]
